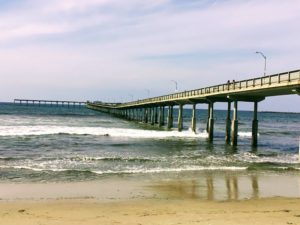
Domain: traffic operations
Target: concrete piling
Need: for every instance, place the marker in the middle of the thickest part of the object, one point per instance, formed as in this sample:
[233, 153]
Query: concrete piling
[254, 126]
[163, 116]
[146, 115]
[211, 122]
[160, 116]
[152, 116]
[228, 123]
[155, 115]
[194, 118]
[208, 115]
[234, 125]
[180, 120]
[170, 117]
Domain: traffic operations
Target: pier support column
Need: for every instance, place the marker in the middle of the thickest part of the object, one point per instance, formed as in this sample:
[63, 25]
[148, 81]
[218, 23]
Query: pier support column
[132, 114]
[163, 116]
[228, 123]
[170, 117]
[152, 116]
[155, 115]
[146, 115]
[160, 115]
[125, 113]
[128, 114]
[136, 114]
[211, 122]
[234, 125]
[180, 122]
[254, 126]
[141, 115]
[208, 115]
[194, 118]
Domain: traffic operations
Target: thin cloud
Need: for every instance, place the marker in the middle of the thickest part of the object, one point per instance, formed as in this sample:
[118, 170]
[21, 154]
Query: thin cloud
[93, 43]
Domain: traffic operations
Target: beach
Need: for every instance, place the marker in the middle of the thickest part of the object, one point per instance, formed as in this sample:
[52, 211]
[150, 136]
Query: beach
[165, 212]
[270, 199]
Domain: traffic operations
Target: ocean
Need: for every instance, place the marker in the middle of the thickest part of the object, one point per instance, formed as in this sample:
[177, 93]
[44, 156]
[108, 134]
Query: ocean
[54, 144]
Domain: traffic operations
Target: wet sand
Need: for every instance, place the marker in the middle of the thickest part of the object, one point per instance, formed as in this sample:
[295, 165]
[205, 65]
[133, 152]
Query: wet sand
[193, 198]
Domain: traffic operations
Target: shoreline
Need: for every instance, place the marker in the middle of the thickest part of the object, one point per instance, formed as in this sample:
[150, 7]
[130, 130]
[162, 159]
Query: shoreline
[199, 185]
[185, 198]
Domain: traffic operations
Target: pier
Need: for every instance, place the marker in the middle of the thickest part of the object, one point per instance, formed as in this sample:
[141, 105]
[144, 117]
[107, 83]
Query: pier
[151, 110]
[48, 102]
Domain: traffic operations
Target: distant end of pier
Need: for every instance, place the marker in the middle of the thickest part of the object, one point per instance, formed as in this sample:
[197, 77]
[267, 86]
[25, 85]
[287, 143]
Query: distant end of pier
[49, 102]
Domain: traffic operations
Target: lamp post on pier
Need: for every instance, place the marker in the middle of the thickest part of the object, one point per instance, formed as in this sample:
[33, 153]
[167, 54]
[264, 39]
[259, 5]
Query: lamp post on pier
[148, 92]
[265, 68]
[176, 85]
[131, 97]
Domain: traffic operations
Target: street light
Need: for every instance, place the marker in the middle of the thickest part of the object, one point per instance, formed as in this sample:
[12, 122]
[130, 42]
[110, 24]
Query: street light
[131, 97]
[175, 82]
[148, 92]
[262, 54]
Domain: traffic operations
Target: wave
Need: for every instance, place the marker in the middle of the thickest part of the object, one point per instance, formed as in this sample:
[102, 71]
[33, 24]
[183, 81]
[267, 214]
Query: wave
[245, 134]
[184, 169]
[114, 159]
[272, 158]
[137, 170]
[98, 131]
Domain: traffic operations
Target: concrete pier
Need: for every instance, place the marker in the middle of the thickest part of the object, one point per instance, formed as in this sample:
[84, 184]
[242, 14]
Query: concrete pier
[155, 115]
[254, 126]
[38, 102]
[234, 125]
[170, 117]
[160, 116]
[163, 116]
[250, 90]
[146, 111]
[208, 115]
[180, 120]
[194, 121]
[228, 123]
[152, 116]
[211, 122]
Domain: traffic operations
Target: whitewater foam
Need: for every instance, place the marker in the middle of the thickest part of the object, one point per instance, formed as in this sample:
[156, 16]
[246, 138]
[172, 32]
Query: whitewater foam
[282, 158]
[134, 170]
[245, 134]
[99, 131]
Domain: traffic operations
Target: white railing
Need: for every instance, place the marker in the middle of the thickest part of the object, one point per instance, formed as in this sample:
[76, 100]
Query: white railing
[226, 87]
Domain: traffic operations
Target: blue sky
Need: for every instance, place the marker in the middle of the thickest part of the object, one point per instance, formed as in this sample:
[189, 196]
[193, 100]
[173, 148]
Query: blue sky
[109, 50]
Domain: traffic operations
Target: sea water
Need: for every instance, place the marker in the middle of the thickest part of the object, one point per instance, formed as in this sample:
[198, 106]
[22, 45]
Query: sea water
[49, 143]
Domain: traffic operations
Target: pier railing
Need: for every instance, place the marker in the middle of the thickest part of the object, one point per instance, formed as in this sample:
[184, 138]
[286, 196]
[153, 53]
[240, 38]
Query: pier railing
[47, 102]
[244, 85]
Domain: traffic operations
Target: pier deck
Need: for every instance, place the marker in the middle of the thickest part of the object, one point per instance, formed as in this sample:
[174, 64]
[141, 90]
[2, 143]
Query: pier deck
[48, 102]
[151, 110]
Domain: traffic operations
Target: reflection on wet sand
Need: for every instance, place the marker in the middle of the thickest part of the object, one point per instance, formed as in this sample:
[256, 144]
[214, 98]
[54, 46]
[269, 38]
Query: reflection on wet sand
[232, 187]
[229, 186]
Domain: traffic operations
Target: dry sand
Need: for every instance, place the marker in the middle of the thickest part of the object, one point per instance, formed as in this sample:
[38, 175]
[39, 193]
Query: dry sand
[85, 212]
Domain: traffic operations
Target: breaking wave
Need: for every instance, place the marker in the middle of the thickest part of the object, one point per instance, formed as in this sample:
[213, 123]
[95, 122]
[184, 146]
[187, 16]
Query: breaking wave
[99, 131]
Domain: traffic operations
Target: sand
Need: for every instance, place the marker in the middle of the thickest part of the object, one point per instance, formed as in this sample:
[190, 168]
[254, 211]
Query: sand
[164, 212]
[202, 198]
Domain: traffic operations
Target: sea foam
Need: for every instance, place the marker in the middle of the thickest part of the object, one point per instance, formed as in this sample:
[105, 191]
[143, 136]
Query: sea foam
[99, 131]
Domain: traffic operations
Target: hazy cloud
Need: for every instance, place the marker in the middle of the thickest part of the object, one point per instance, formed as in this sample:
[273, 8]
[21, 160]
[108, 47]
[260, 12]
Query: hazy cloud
[107, 48]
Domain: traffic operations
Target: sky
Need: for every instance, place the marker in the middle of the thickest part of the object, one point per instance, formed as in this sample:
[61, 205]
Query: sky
[112, 50]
